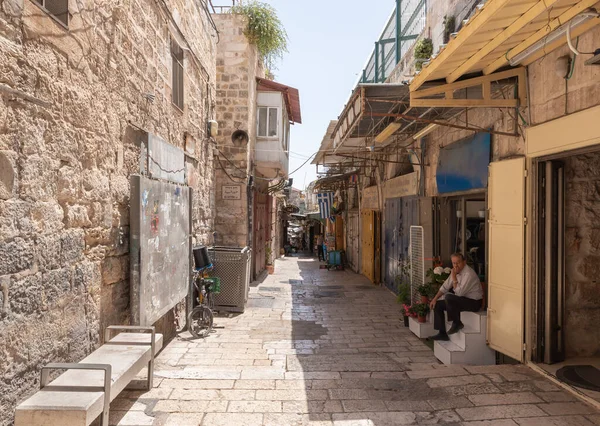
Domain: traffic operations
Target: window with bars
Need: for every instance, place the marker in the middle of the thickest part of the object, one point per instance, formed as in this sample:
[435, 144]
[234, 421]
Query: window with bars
[58, 9]
[177, 87]
[267, 121]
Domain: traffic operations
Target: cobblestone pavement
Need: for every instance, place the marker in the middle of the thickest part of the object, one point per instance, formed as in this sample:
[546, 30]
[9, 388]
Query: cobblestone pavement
[327, 348]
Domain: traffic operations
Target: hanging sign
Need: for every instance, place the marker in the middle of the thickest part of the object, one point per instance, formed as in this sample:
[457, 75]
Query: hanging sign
[402, 186]
[370, 198]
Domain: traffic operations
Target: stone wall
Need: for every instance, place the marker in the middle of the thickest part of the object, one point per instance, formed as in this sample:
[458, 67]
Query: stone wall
[65, 162]
[237, 68]
[582, 239]
[551, 96]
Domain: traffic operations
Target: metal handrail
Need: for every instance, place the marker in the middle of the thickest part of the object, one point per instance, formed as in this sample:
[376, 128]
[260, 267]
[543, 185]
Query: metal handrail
[224, 8]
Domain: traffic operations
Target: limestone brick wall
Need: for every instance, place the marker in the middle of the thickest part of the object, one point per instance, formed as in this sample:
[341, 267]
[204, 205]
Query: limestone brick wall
[551, 96]
[582, 239]
[237, 68]
[65, 163]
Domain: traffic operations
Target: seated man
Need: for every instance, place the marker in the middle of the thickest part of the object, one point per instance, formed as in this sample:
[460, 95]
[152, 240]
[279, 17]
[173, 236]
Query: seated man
[462, 292]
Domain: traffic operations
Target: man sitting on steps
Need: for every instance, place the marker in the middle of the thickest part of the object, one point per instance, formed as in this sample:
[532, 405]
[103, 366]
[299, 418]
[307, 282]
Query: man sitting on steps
[461, 292]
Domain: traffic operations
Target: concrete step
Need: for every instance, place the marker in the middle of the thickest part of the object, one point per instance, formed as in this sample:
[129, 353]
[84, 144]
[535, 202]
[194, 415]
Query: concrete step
[475, 354]
[421, 330]
[474, 320]
[465, 335]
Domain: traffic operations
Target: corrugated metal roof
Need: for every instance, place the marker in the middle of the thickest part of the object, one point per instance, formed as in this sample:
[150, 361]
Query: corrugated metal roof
[500, 30]
[290, 94]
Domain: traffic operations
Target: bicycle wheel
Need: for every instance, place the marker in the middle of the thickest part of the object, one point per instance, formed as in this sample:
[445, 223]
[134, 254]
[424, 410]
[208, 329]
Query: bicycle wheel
[200, 321]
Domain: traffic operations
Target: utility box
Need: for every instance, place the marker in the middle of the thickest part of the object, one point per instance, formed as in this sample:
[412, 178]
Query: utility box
[232, 266]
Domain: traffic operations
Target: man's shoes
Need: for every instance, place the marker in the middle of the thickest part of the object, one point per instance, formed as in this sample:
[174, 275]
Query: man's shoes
[456, 327]
[440, 336]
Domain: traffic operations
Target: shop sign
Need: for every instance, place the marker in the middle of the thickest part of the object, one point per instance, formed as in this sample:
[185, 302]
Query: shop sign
[232, 192]
[463, 165]
[370, 198]
[402, 186]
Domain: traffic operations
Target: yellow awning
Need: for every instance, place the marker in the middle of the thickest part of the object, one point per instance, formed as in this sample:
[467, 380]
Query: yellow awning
[499, 33]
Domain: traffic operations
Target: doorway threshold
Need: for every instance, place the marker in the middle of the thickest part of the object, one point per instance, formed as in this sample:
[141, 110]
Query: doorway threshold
[549, 371]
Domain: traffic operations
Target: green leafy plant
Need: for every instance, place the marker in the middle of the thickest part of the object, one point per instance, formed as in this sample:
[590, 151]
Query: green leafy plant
[268, 253]
[423, 290]
[419, 309]
[423, 51]
[449, 27]
[264, 30]
[403, 293]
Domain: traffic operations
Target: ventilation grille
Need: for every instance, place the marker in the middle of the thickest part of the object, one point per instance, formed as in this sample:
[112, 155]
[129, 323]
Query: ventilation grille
[417, 262]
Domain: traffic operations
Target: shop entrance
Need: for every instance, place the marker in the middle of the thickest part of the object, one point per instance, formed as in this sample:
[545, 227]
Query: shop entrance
[462, 228]
[567, 242]
[371, 245]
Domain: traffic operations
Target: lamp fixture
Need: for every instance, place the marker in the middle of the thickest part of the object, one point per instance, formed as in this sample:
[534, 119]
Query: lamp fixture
[425, 131]
[553, 36]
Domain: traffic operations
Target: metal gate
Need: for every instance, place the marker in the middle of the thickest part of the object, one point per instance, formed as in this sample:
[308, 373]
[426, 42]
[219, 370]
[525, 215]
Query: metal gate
[352, 250]
[400, 214]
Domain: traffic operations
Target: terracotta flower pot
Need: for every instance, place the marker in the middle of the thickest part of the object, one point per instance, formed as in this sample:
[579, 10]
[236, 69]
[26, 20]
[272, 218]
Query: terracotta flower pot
[270, 269]
[424, 299]
[422, 319]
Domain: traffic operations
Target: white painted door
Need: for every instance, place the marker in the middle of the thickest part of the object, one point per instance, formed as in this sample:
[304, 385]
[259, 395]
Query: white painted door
[506, 310]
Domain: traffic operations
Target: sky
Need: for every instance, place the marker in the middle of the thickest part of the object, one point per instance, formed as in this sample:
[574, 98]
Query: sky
[329, 44]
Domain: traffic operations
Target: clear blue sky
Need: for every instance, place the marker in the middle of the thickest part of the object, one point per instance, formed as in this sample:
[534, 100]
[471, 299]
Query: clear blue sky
[329, 43]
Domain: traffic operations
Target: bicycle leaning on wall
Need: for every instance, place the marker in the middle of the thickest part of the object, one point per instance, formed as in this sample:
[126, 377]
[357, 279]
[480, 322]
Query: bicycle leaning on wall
[200, 319]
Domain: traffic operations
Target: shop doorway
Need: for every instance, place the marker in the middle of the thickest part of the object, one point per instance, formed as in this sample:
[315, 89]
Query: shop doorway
[461, 223]
[567, 254]
[371, 245]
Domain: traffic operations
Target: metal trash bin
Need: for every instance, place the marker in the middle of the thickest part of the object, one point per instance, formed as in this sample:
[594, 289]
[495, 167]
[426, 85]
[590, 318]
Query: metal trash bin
[232, 266]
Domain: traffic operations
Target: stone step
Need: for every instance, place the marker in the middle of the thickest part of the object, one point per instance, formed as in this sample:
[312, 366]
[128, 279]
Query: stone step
[475, 354]
[461, 338]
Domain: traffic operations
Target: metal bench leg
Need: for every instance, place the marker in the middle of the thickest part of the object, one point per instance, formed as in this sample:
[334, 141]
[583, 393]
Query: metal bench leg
[107, 368]
[152, 330]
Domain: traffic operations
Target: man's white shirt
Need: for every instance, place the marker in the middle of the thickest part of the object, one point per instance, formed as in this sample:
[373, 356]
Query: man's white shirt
[468, 284]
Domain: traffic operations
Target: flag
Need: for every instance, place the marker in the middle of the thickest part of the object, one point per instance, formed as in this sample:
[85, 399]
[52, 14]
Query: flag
[325, 200]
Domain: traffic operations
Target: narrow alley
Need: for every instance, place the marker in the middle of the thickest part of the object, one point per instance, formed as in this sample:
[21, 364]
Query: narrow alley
[318, 347]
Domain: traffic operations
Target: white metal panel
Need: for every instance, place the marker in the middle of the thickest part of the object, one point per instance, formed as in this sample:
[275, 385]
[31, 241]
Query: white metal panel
[165, 161]
[417, 260]
[506, 203]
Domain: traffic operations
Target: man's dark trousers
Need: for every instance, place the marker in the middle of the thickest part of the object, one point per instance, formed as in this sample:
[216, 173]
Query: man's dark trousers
[454, 305]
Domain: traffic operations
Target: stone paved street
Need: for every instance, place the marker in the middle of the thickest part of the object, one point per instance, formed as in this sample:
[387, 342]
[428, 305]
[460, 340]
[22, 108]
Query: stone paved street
[327, 348]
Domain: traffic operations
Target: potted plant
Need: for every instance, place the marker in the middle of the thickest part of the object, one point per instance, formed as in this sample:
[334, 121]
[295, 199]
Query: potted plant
[420, 310]
[423, 51]
[403, 298]
[424, 291]
[269, 260]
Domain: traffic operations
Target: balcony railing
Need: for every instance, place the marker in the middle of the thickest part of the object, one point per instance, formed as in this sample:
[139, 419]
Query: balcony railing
[402, 29]
[223, 8]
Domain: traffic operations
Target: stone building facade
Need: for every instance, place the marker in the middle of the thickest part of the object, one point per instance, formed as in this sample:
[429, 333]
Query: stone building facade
[79, 93]
[238, 65]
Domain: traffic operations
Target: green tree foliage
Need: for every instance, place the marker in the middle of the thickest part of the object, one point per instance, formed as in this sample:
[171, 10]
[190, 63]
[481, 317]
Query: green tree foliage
[265, 31]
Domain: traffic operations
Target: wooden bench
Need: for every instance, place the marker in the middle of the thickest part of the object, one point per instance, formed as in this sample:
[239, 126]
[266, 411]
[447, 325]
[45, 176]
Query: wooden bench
[84, 391]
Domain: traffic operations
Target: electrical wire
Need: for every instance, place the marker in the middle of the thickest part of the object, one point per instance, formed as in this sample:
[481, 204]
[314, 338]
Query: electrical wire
[227, 174]
[307, 160]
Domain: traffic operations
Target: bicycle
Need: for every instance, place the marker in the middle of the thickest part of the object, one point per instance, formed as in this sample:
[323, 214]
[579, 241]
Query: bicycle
[200, 319]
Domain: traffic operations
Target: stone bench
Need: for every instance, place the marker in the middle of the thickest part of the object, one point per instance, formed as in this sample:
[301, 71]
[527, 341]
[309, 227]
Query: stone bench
[84, 391]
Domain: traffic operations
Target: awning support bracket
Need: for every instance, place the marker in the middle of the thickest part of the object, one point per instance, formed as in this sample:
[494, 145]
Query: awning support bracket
[422, 98]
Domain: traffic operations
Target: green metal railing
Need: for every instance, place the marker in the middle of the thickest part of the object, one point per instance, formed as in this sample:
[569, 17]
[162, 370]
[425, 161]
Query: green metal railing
[402, 29]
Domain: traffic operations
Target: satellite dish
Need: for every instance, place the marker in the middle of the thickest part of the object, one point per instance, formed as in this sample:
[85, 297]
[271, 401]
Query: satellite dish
[239, 138]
